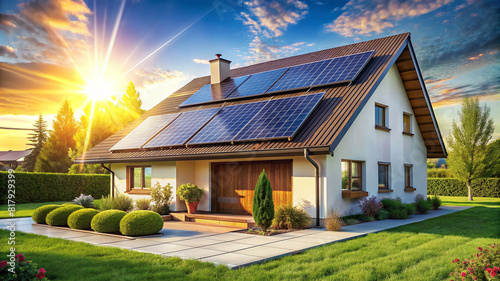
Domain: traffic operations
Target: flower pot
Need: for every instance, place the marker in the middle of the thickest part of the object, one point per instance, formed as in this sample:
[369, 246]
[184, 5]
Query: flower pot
[192, 207]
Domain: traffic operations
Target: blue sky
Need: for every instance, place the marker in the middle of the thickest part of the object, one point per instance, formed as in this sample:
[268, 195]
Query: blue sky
[45, 44]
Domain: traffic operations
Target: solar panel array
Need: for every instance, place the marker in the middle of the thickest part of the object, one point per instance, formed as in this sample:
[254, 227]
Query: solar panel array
[280, 118]
[213, 92]
[145, 131]
[179, 131]
[330, 71]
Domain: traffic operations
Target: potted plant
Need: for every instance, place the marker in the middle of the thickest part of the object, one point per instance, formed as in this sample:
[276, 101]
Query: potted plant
[191, 194]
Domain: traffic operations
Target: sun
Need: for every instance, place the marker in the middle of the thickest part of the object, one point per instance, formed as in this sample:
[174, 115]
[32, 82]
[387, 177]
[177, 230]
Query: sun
[98, 89]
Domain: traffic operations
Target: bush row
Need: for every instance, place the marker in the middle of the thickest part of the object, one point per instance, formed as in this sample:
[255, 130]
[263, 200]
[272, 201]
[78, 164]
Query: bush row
[47, 187]
[487, 187]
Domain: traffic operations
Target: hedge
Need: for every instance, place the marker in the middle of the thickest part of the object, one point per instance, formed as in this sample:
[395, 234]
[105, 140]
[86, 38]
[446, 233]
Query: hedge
[486, 187]
[439, 173]
[49, 187]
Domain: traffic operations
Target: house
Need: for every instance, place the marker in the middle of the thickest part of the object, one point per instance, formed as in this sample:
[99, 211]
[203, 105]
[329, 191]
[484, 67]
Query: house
[11, 159]
[329, 127]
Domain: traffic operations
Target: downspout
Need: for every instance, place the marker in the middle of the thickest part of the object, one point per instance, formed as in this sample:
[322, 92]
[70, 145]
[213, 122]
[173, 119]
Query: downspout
[112, 179]
[316, 167]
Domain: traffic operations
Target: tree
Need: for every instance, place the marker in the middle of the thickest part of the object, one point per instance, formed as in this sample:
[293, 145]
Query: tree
[263, 206]
[468, 142]
[131, 104]
[54, 155]
[494, 159]
[36, 141]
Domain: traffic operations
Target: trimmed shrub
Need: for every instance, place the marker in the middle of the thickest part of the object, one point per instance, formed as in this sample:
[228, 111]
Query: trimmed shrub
[41, 213]
[333, 220]
[351, 221]
[84, 200]
[421, 204]
[107, 221]
[290, 217]
[485, 187]
[434, 201]
[59, 216]
[410, 209]
[142, 203]
[383, 215]
[263, 206]
[398, 214]
[161, 196]
[81, 219]
[141, 222]
[439, 173]
[370, 206]
[122, 202]
[50, 187]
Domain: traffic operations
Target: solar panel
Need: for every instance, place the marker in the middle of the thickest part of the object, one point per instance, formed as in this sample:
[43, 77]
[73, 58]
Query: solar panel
[145, 131]
[225, 125]
[257, 83]
[280, 118]
[300, 76]
[343, 69]
[179, 131]
[213, 92]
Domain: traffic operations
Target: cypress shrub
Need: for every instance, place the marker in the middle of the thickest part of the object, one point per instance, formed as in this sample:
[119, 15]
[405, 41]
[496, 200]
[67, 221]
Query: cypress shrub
[49, 187]
[263, 206]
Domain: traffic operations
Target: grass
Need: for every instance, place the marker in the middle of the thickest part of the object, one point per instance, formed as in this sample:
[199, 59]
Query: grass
[26, 209]
[419, 251]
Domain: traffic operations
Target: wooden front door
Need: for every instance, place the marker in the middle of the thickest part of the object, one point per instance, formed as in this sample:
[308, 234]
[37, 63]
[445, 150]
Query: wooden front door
[233, 184]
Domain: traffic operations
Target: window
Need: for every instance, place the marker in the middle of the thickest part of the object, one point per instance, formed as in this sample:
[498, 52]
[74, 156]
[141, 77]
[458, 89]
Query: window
[408, 175]
[381, 117]
[406, 123]
[352, 175]
[383, 175]
[139, 178]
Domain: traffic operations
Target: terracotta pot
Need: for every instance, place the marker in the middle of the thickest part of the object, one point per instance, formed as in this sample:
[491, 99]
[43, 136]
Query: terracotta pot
[192, 207]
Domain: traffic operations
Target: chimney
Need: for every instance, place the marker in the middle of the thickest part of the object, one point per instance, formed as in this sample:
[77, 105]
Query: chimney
[219, 69]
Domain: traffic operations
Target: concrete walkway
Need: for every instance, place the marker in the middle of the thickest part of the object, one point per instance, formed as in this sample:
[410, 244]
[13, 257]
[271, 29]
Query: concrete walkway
[232, 249]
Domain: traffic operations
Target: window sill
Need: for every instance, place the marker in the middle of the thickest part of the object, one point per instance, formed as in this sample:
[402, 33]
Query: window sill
[385, 190]
[139, 191]
[408, 134]
[410, 189]
[354, 194]
[383, 128]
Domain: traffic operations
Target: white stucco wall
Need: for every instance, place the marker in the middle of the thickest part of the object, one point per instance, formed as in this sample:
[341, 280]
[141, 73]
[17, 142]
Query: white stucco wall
[363, 142]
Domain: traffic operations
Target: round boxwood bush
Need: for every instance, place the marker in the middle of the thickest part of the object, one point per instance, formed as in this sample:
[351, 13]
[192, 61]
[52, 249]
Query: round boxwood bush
[59, 216]
[40, 213]
[81, 219]
[141, 223]
[107, 221]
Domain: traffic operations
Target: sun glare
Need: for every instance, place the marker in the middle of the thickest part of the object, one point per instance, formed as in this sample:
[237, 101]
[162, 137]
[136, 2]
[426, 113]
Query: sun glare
[98, 90]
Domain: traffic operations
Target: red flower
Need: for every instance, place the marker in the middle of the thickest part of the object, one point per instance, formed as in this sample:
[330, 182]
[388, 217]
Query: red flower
[480, 249]
[456, 260]
[493, 274]
[3, 264]
[41, 270]
[40, 275]
[475, 278]
[463, 274]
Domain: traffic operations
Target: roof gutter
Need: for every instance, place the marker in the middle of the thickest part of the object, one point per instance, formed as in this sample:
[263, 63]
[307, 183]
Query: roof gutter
[112, 179]
[316, 174]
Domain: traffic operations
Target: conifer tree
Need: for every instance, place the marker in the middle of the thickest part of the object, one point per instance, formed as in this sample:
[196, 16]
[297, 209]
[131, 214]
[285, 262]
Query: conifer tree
[36, 141]
[263, 205]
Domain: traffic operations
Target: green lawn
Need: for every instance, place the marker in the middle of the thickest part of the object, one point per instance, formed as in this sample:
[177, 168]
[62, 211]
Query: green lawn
[26, 209]
[419, 251]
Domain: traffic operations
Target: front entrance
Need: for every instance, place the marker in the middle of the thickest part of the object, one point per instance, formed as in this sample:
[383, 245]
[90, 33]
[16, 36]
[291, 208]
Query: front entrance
[233, 184]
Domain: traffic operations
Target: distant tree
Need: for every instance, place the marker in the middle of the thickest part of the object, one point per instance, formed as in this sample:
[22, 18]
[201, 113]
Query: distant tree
[263, 206]
[131, 104]
[54, 155]
[468, 142]
[494, 159]
[35, 141]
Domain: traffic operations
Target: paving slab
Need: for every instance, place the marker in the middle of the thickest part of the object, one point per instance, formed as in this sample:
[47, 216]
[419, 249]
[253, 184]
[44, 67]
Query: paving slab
[198, 242]
[97, 239]
[194, 253]
[131, 244]
[292, 246]
[265, 251]
[232, 260]
[162, 248]
[228, 246]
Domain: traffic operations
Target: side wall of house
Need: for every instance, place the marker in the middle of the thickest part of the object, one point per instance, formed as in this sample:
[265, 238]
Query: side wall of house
[365, 143]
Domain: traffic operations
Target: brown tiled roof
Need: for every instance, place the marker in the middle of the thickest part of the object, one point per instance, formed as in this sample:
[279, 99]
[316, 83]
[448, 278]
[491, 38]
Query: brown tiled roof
[320, 133]
[13, 155]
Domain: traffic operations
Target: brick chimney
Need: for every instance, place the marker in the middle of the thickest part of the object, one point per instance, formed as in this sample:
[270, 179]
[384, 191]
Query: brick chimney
[219, 69]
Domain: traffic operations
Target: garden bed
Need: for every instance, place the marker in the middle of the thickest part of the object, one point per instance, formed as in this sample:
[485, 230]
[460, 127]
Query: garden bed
[256, 231]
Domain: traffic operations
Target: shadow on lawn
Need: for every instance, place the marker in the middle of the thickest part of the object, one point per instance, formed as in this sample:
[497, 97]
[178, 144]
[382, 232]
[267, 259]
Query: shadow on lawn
[477, 222]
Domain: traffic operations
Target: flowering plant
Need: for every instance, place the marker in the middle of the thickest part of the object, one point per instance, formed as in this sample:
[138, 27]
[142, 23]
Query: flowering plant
[18, 268]
[370, 206]
[484, 265]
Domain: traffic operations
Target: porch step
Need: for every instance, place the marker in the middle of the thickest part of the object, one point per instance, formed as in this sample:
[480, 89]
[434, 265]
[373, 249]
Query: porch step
[218, 219]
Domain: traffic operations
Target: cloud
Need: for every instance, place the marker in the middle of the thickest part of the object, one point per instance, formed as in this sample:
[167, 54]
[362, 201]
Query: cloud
[201, 61]
[272, 18]
[8, 52]
[156, 76]
[261, 51]
[364, 17]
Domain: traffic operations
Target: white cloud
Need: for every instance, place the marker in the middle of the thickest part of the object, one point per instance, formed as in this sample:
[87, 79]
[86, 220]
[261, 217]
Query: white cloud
[201, 61]
[155, 77]
[362, 17]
